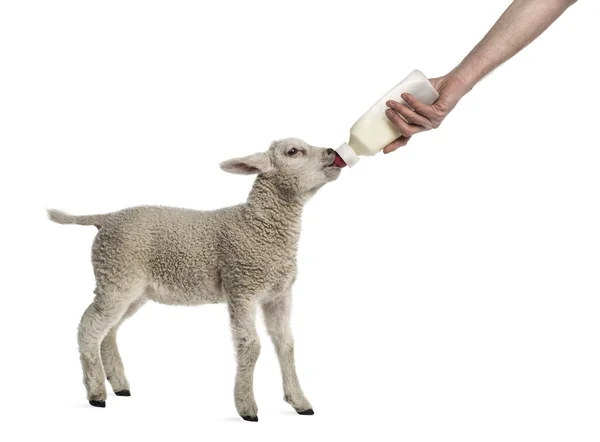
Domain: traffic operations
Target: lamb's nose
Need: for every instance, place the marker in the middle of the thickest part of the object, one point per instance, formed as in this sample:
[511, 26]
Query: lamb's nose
[330, 151]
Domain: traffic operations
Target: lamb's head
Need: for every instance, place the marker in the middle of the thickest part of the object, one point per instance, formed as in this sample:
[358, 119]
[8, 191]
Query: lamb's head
[294, 167]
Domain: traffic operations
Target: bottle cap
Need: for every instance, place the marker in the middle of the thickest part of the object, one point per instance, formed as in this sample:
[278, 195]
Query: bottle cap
[348, 154]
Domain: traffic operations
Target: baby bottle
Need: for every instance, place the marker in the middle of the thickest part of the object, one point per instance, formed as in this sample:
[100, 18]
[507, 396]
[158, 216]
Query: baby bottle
[373, 131]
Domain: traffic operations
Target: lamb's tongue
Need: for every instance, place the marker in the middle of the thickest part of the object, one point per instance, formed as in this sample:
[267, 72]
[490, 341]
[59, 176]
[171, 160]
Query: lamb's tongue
[338, 161]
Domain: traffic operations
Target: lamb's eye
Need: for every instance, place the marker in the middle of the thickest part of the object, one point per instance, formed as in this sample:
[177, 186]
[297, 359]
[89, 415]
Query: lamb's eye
[293, 151]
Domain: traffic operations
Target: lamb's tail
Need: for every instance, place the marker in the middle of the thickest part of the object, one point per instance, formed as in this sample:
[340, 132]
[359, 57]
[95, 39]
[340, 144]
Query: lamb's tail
[61, 217]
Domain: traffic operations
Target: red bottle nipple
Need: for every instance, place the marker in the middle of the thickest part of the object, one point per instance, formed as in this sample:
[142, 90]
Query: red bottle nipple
[338, 161]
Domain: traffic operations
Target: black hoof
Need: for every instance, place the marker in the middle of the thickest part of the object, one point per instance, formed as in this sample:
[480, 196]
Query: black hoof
[123, 393]
[308, 412]
[100, 404]
[250, 418]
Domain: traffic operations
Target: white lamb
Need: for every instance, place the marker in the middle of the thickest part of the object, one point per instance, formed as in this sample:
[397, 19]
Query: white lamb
[243, 255]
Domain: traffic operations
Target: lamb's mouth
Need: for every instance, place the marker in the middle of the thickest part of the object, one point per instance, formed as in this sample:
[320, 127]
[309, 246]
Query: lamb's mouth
[335, 164]
[333, 168]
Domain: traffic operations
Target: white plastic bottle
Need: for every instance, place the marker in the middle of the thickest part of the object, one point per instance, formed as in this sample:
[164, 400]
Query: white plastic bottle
[373, 131]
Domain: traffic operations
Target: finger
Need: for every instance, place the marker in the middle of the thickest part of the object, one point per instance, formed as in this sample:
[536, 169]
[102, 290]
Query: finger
[420, 108]
[410, 115]
[400, 142]
[406, 129]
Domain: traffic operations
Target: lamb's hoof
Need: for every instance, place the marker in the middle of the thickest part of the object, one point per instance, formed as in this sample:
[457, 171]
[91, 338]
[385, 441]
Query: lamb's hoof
[123, 393]
[250, 418]
[100, 404]
[308, 412]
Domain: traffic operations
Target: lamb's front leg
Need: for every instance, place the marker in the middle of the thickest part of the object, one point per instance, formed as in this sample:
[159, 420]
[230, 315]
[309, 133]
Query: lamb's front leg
[242, 313]
[277, 317]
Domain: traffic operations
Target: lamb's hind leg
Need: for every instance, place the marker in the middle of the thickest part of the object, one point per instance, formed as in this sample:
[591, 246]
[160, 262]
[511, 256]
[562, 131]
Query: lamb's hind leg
[111, 359]
[277, 315]
[102, 314]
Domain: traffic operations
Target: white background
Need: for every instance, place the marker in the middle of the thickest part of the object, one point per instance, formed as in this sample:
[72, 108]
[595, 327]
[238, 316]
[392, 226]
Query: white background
[465, 306]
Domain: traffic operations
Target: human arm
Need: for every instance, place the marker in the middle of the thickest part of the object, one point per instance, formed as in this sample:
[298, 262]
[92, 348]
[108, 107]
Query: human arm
[521, 23]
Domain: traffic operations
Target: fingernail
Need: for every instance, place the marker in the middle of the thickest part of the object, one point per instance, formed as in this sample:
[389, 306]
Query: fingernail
[390, 103]
[405, 97]
[389, 112]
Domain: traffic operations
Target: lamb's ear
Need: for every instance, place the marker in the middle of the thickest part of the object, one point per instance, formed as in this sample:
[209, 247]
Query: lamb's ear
[257, 163]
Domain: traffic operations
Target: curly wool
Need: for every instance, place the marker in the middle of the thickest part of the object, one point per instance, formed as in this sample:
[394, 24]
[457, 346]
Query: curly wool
[243, 255]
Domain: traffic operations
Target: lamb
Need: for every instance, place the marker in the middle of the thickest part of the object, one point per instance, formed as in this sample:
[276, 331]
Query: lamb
[243, 255]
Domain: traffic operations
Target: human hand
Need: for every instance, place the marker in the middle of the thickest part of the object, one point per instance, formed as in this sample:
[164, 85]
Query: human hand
[423, 117]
